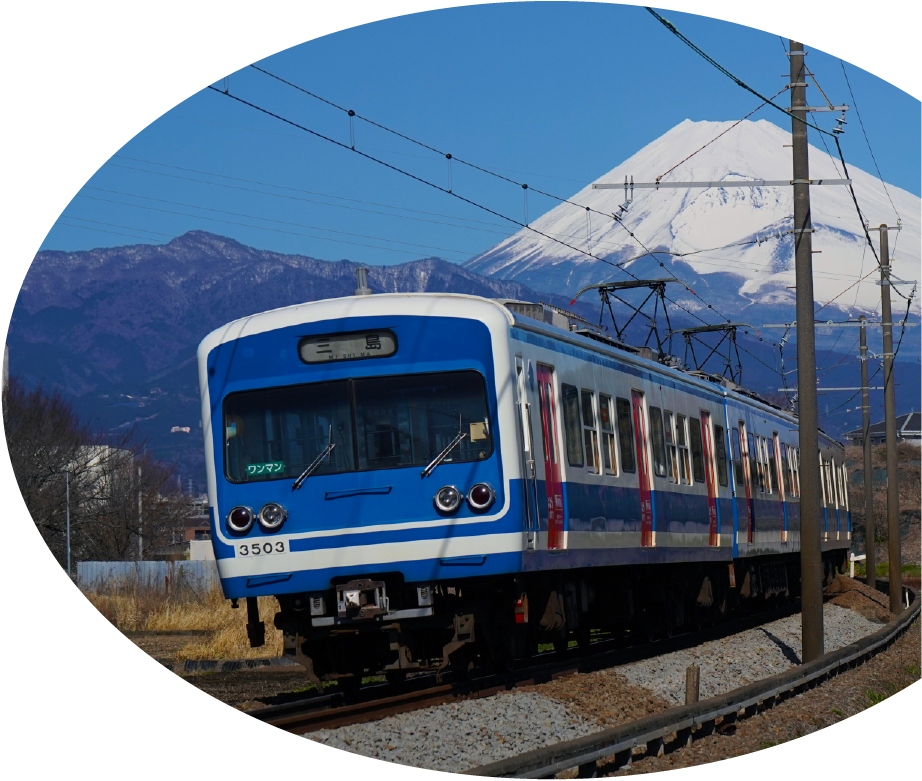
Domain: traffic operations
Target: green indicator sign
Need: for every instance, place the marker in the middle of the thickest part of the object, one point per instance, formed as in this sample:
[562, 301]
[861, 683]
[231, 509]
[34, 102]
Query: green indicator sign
[271, 468]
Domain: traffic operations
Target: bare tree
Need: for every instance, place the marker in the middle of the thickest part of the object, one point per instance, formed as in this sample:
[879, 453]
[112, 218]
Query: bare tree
[108, 478]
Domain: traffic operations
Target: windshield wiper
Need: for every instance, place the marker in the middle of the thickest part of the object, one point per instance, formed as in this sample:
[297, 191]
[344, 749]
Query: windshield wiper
[310, 470]
[441, 456]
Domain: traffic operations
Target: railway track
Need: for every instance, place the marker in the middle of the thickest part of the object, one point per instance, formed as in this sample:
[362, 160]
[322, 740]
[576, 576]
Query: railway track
[381, 700]
[680, 727]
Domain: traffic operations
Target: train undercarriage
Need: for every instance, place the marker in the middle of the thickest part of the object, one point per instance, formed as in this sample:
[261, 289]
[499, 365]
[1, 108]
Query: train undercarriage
[380, 625]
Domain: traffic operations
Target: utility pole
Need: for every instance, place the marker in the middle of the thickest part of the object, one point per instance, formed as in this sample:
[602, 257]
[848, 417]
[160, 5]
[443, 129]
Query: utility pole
[811, 562]
[893, 489]
[67, 503]
[870, 546]
[140, 538]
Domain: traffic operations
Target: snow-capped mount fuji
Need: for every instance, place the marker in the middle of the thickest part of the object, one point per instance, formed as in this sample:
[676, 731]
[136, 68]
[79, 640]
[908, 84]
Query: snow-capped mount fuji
[701, 220]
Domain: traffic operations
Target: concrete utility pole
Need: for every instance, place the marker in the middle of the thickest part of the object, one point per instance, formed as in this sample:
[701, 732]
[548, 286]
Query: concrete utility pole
[811, 561]
[67, 510]
[140, 538]
[893, 489]
[870, 547]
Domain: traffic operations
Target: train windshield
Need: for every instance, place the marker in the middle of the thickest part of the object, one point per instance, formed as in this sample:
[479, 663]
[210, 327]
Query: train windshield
[374, 423]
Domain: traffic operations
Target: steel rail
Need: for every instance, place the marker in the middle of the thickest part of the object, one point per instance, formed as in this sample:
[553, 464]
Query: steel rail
[329, 711]
[689, 722]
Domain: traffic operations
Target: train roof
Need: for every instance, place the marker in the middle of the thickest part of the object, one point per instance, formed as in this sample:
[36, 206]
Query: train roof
[541, 317]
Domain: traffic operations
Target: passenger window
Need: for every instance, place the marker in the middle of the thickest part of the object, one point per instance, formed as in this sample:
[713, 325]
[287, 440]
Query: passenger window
[785, 469]
[737, 459]
[764, 482]
[672, 460]
[754, 472]
[697, 449]
[681, 439]
[658, 440]
[720, 449]
[589, 433]
[772, 467]
[606, 417]
[625, 434]
[571, 425]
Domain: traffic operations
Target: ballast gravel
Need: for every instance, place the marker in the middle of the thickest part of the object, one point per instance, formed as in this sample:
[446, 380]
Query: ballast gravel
[464, 734]
[742, 659]
[479, 731]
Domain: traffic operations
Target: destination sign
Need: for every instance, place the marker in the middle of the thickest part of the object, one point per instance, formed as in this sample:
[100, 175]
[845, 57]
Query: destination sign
[347, 347]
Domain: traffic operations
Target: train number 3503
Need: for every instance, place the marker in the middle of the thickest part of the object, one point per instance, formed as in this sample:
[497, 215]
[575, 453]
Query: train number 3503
[261, 548]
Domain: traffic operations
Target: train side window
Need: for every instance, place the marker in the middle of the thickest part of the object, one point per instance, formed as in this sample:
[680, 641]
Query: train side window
[658, 440]
[764, 480]
[737, 459]
[571, 425]
[606, 417]
[589, 432]
[753, 462]
[625, 434]
[785, 468]
[720, 449]
[681, 438]
[844, 484]
[672, 460]
[797, 471]
[697, 449]
[773, 464]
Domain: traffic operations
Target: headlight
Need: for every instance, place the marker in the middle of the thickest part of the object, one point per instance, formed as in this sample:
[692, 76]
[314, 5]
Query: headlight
[448, 499]
[272, 516]
[240, 520]
[481, 497]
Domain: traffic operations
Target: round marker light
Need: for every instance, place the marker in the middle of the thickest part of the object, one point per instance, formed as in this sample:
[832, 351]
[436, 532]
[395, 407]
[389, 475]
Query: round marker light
[448, 499]
[481, 497]
[272, 516]
[240, 520]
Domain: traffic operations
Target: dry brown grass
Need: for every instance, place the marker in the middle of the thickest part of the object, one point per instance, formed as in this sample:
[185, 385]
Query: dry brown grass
[132, 607]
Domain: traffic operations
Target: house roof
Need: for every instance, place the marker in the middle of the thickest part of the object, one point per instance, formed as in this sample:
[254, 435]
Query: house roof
[907, 424]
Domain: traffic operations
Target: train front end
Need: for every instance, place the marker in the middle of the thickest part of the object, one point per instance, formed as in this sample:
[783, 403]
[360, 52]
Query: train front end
[355, 472]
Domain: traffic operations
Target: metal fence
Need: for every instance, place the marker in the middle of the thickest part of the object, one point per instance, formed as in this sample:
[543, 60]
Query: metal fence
[169, 577]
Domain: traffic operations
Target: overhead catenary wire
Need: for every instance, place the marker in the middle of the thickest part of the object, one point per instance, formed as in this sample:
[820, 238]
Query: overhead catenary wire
[673, 29]
[867, 141]
[495, 213]
[525, 187]
[245, 225]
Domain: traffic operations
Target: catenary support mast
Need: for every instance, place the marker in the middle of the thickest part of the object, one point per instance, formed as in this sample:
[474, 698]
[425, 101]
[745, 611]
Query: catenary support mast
[893, 488]
[811, 564]
[870, 545]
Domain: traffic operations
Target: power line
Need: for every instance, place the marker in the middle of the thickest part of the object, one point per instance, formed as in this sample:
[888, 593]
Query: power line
[244, 225]
[674, 30]
[113, 225]
[866, 140]
[473, 203]
[103, 230]
[525, 187]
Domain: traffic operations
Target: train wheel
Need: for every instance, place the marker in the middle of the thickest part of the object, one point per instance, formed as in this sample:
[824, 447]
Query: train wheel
[395, 676]
[350, 684]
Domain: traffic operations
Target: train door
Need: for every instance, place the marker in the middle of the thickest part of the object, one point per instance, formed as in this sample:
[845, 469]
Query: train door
[745, 445]
[710, 480]
[556, 536]
[529, 471]
[643, 470]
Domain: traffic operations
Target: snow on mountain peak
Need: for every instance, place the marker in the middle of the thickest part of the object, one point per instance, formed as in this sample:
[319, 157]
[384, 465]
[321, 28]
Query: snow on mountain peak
[691, 220]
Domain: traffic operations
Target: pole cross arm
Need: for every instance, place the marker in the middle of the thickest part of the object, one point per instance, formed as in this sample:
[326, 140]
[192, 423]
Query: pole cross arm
[636, 283]
[741, 183]
[703, 329]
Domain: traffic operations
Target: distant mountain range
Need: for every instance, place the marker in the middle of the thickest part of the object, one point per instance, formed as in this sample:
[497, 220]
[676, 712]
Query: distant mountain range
[116, 329]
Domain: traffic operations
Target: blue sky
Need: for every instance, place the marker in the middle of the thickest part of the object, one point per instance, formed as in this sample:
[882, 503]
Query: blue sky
[552, 94]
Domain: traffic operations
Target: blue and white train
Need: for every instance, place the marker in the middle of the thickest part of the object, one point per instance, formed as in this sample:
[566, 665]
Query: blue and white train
[421, 479]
